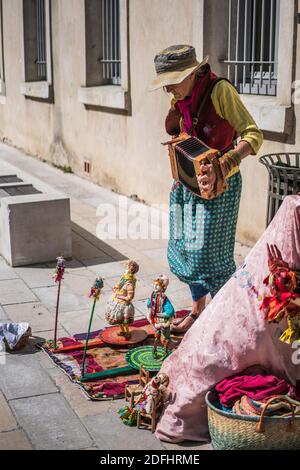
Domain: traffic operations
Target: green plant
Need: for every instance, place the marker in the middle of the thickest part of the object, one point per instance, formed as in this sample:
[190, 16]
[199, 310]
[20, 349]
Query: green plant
[64, 168]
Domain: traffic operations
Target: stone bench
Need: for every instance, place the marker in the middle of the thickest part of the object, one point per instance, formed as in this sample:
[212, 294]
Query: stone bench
[35, 223]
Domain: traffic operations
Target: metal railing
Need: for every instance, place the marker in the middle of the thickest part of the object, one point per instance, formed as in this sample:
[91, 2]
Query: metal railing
[111, 47]
[41, 60]
[253, 30]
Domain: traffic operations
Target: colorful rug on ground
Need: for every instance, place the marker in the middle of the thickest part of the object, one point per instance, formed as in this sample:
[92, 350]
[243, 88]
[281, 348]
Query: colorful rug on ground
[100, 357]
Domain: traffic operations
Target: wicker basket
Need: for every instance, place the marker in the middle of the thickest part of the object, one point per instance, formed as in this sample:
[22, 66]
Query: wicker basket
[229, 431]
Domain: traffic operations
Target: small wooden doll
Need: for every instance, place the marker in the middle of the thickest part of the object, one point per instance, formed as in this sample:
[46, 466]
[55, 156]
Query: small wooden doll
[161, 313]
[120, 310]
[146, 407]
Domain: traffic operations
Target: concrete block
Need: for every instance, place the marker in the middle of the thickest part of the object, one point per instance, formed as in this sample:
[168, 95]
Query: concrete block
[35, 229]
[51, 423]
[14, 440]
[22, 376]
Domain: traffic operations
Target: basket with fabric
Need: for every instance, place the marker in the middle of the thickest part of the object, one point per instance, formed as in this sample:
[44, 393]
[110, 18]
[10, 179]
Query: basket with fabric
[230, 431]
[14, 336]
[23, 341]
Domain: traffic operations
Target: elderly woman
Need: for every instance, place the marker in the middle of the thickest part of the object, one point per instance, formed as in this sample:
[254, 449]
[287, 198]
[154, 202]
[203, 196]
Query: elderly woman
[204, 266]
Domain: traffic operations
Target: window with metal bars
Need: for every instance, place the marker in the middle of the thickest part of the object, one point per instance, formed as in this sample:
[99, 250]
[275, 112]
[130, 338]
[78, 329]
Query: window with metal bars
[103, 43]
[253, 32]
[35, 47]
[110, 26]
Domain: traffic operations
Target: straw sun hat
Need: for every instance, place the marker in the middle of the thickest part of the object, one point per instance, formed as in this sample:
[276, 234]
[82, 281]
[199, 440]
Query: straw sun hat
[174, 64]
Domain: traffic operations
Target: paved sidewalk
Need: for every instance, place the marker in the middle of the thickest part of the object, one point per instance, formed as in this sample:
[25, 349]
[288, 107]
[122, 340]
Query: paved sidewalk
[39, 407]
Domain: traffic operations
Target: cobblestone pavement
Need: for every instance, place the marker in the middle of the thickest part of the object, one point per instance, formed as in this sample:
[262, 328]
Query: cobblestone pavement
[39, 407]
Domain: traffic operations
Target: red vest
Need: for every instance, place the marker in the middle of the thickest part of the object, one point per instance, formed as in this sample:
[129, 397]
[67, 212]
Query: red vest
[215, 131]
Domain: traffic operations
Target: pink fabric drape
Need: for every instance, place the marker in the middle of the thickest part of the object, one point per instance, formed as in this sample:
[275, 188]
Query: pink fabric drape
[231, 335]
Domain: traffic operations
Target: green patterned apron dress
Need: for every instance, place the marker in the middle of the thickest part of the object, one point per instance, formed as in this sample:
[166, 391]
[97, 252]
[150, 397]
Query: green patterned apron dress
[202, 235]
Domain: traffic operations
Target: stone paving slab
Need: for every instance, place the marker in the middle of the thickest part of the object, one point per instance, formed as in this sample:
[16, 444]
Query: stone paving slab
[15, 292]
[159, 255]
[83, 250]
[109, 432]
[7, 420]
[148, 278]
[22, 376]
[39, 275]
[79, 281]
[108, 270]
[3, 316]
[180, 296]
[36, 314]
[68, 300]
[14, 440]
[43, 336]
[141, 306]
[51, 423]
[76, 398]
[78, 321]
[6, 272]
[148, 244]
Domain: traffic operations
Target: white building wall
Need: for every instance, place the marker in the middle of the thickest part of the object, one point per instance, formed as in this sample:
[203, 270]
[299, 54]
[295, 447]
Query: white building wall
[125, 150]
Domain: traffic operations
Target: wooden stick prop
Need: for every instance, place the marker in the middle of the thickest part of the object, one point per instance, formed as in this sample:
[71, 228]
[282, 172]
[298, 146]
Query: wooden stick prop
[95, 293]
[93, 343]
[108, 374]
[58, 276]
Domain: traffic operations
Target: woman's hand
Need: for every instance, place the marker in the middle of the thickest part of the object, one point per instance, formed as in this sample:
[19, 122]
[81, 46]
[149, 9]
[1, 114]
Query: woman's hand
[207, 178]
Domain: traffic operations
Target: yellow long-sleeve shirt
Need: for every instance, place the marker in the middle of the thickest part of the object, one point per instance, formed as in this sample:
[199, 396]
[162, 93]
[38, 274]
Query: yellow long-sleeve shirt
[228, 105]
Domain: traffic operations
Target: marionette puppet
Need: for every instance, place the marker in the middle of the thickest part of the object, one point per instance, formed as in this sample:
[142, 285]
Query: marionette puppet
[95, 294]
[120, 310]
[161, 313]
[147, 404]
[58, 277]
[283, 300]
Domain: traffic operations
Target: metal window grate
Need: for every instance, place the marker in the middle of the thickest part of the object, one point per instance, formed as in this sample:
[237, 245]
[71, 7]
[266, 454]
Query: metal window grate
[111, 47]
[41, 60]
[253, 45]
